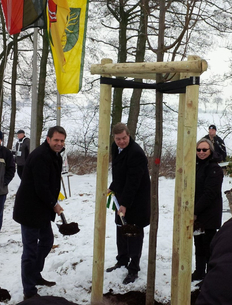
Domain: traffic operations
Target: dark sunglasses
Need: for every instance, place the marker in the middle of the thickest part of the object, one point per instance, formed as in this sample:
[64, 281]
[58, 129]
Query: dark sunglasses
[203, 149]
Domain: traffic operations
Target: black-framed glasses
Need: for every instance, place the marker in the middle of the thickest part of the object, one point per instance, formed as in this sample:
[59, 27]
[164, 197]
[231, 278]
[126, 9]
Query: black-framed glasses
[203, 149]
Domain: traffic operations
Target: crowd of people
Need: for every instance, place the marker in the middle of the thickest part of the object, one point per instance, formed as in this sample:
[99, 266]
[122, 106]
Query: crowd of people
[36, 202]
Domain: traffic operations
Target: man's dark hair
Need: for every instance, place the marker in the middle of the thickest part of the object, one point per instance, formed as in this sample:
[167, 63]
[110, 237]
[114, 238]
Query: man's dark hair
[119, 128]
[59, 129]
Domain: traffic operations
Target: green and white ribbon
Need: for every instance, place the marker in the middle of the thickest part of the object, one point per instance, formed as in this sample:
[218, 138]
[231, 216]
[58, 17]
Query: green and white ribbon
[109, 200]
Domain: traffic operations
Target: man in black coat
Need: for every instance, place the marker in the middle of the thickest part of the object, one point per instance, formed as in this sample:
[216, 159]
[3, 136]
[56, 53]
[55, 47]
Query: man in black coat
[7, 171]
[22, 150]
[131, 186]
[216, 286]
[36, 206]
[218, 143]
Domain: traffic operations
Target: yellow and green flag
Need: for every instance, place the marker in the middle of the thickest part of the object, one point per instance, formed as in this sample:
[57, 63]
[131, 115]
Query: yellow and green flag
[67, 23]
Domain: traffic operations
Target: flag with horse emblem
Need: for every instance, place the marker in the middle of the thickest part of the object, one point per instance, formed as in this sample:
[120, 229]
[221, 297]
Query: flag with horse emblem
[67, 22]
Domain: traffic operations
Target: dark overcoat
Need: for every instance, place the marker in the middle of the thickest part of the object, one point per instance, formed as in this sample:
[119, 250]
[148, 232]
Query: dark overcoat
[219, 147]
[131, 183]
[216, 287]
[39, 188]
[208, 196]
[7, 169]
[22, 151]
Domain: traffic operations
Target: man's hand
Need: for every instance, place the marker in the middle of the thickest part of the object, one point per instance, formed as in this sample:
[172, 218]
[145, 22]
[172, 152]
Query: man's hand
[108, 191]
[58, 209]
[122, 210]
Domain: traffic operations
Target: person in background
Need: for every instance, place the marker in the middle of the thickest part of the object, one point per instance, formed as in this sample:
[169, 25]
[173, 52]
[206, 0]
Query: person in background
[208, 204]
[131, 186]
[7, 171]
[36, 205]
[218, 143]
[22, 151]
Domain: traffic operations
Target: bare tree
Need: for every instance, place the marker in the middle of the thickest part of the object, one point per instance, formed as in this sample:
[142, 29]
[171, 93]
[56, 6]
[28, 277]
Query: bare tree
[139, 57]
[13, 91]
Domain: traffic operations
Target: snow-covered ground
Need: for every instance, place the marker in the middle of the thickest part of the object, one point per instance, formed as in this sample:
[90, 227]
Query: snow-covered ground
[70, 262]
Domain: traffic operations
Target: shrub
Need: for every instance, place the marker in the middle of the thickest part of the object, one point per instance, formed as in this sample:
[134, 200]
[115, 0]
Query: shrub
[81, 165]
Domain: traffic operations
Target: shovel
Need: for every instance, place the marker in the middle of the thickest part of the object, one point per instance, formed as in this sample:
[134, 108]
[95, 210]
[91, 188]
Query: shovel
[127, 229]
[67, 228]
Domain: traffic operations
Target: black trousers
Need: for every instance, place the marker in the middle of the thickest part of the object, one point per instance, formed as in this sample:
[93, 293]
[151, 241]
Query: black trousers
[129, 250]
[37, 243]
[202, 243]
[20, 170]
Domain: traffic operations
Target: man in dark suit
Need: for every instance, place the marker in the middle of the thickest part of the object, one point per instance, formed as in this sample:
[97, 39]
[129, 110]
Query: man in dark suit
[131, 186]
[22, 151]
[218, 143]
[36, 206]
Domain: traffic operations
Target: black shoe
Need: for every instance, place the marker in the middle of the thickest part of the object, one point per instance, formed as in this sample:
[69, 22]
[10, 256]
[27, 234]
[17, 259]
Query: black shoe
[116, 266]
[43, 282]
[130, 278]
[4, 295]
[26, 297]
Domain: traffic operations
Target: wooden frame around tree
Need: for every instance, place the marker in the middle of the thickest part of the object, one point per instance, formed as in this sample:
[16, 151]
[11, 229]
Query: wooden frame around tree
[185, 170]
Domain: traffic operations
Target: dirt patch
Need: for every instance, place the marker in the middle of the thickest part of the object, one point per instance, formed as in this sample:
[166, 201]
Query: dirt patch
[136, 298]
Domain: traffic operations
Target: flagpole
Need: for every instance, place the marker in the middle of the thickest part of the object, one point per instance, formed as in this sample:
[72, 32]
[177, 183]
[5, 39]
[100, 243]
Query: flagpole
[58, 112]
[34, 94]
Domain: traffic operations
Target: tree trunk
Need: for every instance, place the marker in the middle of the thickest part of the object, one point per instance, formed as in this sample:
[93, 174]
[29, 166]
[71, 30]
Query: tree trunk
[117, 105]
[140, 52]
[41, 87]
[3, 57]
[13, 91]
[122, 56]
[134, 110]
[155, 168]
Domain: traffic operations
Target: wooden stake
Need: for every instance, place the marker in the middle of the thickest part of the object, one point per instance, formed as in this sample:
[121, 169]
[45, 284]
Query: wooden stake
[178, 200]
[181, 281]
[101, 191]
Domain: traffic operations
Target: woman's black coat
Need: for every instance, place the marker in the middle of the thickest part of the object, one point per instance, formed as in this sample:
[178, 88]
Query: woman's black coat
[131, 183]
[208, 197]
[39, 188]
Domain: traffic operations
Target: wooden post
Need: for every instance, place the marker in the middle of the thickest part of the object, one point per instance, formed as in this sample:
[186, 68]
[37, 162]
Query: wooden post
[101, 191]
[196, 65]
[178, 200]
[182, 282]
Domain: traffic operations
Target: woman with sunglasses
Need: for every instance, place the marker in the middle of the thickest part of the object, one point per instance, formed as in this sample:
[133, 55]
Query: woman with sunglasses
[208, 203]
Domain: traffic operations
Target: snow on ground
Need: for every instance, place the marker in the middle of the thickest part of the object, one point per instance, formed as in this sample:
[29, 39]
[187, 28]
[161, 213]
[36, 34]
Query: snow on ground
[70, 262]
